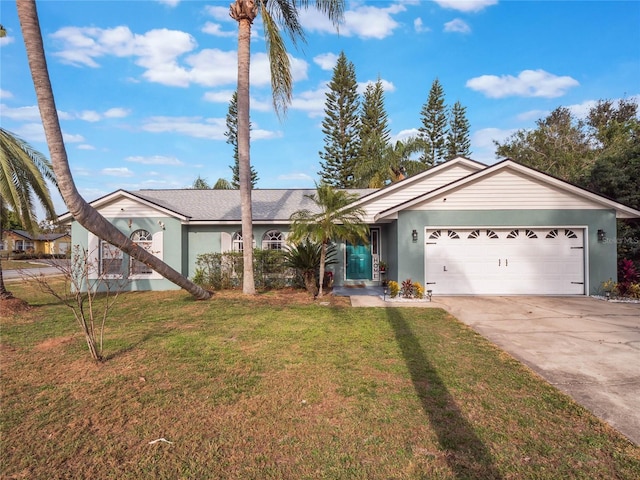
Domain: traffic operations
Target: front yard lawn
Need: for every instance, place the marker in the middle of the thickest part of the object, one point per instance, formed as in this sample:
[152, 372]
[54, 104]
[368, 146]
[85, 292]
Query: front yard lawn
[281, 387]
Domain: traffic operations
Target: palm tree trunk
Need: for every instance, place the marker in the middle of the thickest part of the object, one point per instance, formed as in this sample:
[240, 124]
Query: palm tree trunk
[323, 258]
[245, 13]
[82, 212]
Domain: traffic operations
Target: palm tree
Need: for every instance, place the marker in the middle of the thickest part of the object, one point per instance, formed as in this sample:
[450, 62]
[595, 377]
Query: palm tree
[334, 219]
[276, 15]
[82, 212]
[23, 174]
[394, 164]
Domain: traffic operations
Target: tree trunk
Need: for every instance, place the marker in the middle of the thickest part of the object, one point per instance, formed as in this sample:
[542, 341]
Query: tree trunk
[245, 11]
[323, 257]
[82, 212]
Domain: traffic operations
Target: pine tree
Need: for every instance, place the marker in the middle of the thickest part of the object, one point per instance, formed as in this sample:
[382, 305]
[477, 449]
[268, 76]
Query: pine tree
[458, 143]
[434, 125]
[374, 135]
[232, 139]
[340, 127]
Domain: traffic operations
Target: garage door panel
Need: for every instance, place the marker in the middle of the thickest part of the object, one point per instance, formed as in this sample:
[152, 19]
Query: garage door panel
[505, 261]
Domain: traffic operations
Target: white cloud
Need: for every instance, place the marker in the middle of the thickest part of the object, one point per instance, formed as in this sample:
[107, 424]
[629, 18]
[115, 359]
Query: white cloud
[5, 94]
[457, 25]
[326, 61]
[89, 116]
[219, 13]
[84, 146]
[532, 115]
[117, 172]
[482, 143]
[529, 83]
[155, 160]
[363, 21]
[220, 96]
[216, 30]
[419, 27]
[311, 101]
[404, 134]
[4, 41]
[211, 128]
[24, 114]
[72, 138]
[466, 5]
[117, 112]
[387, 86]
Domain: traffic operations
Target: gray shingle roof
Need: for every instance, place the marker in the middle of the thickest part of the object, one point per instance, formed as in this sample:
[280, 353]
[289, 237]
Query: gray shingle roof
[224, 205]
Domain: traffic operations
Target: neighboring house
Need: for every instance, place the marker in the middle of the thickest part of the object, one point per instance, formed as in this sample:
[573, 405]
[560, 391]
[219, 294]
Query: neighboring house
[459, 228]
[20, 241]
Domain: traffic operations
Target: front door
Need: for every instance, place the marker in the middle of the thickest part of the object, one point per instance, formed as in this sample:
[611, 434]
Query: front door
[358, 262]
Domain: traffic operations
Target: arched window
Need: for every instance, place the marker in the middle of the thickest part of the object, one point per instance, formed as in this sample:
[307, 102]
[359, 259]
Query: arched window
[144, 240]
[273, 240]
[236, 242]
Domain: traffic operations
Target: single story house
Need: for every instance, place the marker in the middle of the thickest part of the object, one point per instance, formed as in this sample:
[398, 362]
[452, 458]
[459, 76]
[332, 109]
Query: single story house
[20, 241]
[461, 227]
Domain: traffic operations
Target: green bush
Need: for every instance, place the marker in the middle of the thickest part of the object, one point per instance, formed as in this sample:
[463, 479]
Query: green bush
[222, 271]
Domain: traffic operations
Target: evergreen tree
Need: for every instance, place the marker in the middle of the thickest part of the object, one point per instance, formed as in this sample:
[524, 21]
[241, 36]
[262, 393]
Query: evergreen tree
[434, 125]
[232, 139]
[458, 143]
[340, 127]
[374, 132]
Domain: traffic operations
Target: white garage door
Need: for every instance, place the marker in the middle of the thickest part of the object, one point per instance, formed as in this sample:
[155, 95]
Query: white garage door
[512, 261]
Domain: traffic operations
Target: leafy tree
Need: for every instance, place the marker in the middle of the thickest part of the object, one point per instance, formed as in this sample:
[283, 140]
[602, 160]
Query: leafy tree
[23, 174]
[558, 146]
[434, 126]
[341, 126]
[458, 142]
[200, 184]
[82, 212]
[223, 184]
[334, 218]
[276, 15]
[374, 134]
[613, 127]
[232, 139]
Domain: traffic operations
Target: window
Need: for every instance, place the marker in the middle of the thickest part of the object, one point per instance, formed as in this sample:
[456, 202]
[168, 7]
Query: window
[110, 259]
[474, 234]
[273, 240]
[453, 234]
[531, 234]
[435, 235]
[492, 234]
[143, 239]
[236, 242]
[514, 234]
[552, 233]
[570, 234]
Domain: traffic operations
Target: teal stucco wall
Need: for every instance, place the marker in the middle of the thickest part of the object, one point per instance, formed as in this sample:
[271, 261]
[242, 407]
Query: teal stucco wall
[600, 259]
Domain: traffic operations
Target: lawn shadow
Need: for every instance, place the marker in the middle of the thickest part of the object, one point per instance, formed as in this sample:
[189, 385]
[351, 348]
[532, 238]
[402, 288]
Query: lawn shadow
[465, 453]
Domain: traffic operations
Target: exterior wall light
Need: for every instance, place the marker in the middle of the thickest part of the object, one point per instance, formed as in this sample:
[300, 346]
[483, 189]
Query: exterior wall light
[414, 236]
[602, 235]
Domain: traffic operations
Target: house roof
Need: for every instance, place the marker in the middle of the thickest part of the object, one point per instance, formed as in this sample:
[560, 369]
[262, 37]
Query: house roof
[268, 205]
[622, 211]
[43, 237]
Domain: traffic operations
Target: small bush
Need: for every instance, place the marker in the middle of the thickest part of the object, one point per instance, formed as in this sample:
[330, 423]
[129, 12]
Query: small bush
[407, 289]
[418, 290]
[394, 289]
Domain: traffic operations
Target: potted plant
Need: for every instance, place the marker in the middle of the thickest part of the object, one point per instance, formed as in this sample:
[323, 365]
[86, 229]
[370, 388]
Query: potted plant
[382, 266]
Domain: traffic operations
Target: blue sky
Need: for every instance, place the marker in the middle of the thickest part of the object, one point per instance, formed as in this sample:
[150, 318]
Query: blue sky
[143, 87]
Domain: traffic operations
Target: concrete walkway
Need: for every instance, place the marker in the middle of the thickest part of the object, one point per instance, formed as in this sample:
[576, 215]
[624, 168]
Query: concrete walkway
[587, 348]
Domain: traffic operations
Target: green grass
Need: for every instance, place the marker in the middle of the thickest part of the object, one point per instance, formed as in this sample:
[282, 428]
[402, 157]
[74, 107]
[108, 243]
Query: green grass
[275, 387]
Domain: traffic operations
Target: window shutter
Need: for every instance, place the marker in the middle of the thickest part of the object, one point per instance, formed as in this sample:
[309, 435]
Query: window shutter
[225, 242]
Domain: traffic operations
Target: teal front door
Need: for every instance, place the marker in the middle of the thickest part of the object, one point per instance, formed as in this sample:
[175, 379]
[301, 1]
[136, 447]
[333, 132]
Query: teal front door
[358, 262]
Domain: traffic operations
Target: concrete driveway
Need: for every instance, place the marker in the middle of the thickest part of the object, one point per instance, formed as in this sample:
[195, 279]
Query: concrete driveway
[588, 348]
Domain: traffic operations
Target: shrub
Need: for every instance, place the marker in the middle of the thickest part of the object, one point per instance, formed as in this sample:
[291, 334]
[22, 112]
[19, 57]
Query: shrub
[394, 289]
[407, 289]
[627, 275]
[418, 290]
